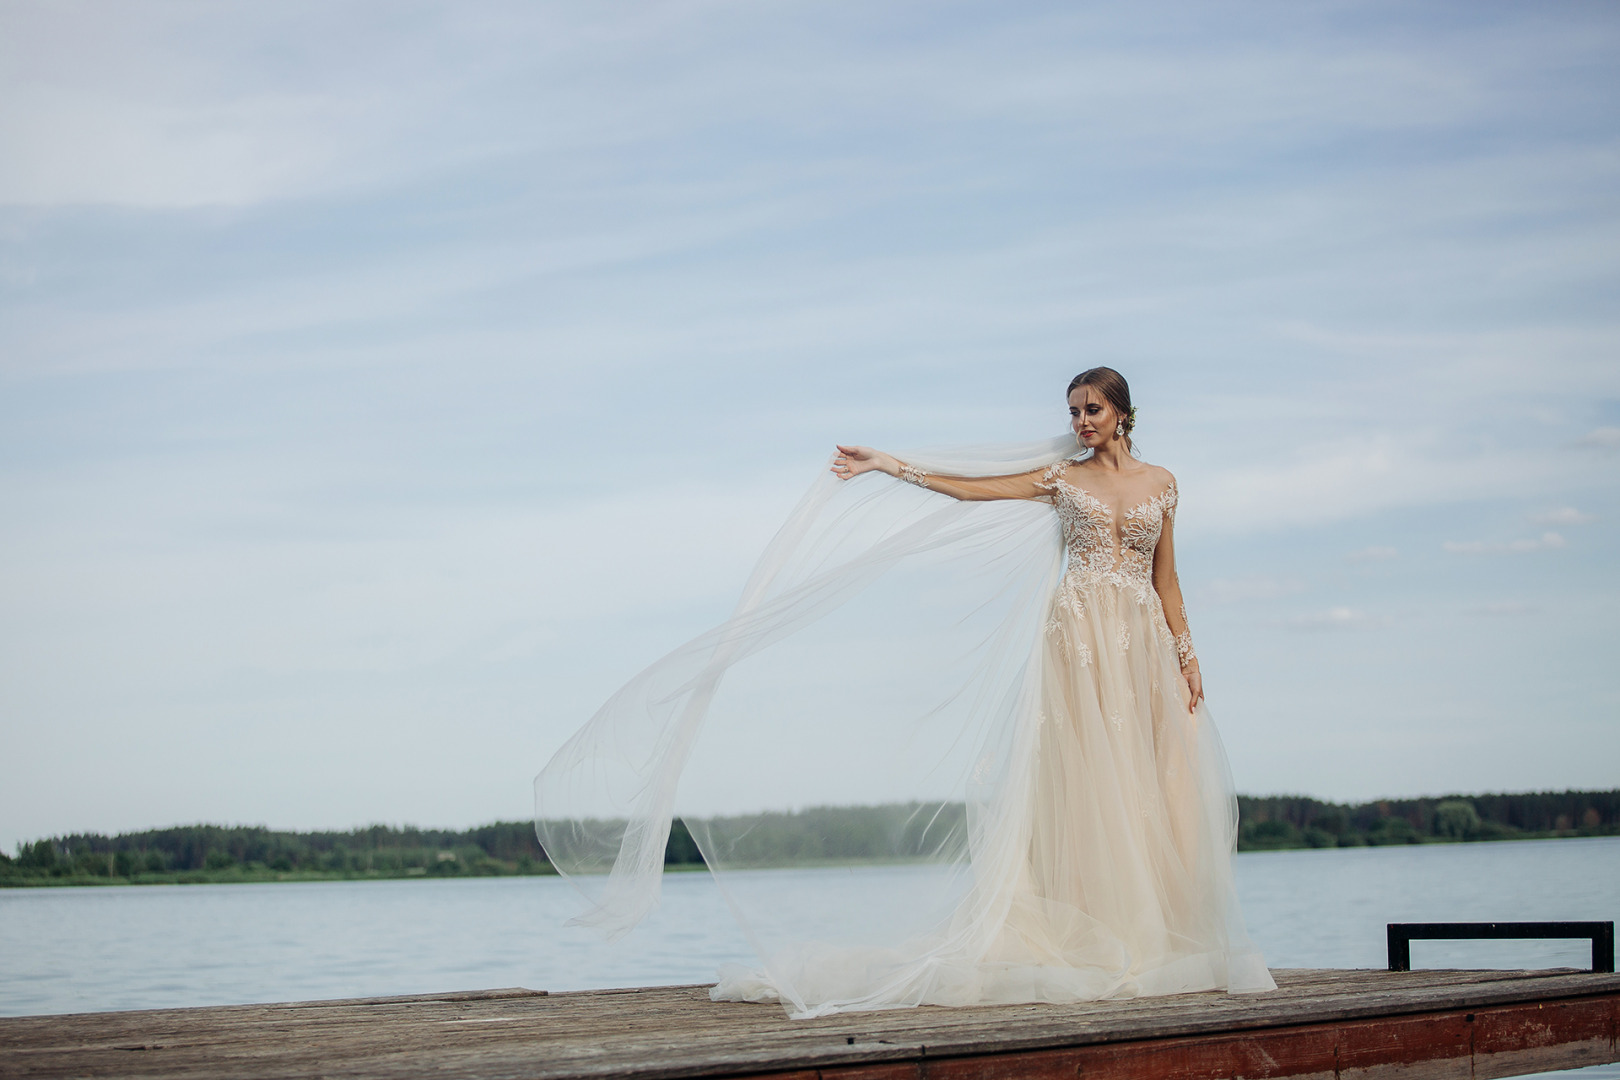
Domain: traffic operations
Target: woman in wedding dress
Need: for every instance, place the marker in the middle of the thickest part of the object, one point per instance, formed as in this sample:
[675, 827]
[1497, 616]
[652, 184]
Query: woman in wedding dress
[1068, 799]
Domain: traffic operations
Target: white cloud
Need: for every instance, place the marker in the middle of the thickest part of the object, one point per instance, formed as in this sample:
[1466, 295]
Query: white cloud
[1603, 438]
[1563, 515]
[1547, 541]
[138, 153]
[1336, 618]
[190, 107]
[1321, 482]
[1503, 609]
[1376, 553]
[1250, 587]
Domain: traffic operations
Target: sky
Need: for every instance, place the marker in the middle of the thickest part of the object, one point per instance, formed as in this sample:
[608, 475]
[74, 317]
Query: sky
[381, 385]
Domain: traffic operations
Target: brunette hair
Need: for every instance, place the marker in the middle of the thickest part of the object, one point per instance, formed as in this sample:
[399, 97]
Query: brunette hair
[1111, 385]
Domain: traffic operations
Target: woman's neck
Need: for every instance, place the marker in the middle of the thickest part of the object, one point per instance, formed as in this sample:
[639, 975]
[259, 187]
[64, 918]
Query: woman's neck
[1114, 456]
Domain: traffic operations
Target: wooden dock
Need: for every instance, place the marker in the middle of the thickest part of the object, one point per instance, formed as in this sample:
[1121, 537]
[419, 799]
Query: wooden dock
[1363, 1024]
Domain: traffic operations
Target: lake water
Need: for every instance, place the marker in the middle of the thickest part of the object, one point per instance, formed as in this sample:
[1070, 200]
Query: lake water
[135, 947]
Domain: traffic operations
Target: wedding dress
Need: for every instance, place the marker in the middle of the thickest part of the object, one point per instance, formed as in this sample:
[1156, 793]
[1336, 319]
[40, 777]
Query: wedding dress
[1069, 822]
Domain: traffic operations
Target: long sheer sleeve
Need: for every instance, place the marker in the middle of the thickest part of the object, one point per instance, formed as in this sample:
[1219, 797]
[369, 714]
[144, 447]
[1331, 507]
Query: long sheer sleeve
[1168, 585]
[1026, 485]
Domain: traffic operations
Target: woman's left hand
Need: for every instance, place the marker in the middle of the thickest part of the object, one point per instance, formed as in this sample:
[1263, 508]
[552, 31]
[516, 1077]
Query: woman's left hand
[1195, 688]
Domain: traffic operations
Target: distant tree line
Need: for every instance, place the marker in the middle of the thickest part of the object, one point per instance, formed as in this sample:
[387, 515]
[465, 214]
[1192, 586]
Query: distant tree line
[1294, 821]
[200, 853]
[196, 853]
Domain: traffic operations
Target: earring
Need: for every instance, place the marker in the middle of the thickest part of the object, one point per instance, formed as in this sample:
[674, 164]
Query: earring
[1119, 428]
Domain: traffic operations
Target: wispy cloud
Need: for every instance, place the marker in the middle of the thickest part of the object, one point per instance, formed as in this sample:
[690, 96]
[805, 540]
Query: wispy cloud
[1563, 515]
[1251, 587]
[1547, 541]
[1376, 553]
[1336, 618]
[1603, 438]
[1502, 609]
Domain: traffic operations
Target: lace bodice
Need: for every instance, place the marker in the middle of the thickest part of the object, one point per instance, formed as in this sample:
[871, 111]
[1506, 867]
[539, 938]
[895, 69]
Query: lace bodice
[1102, 549]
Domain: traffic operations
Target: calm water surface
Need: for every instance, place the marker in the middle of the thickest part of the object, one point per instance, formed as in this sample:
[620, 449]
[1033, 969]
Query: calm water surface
[135, 947]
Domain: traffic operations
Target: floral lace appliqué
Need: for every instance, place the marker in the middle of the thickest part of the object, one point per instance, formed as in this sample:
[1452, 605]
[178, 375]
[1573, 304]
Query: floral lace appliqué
[1058, 631]
[1096, 555]
[912, 475]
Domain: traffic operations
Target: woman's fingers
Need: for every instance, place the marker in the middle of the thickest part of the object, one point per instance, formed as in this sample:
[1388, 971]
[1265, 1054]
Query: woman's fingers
[851, 461]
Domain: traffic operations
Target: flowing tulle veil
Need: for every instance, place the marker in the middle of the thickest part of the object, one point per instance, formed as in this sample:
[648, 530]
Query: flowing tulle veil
[886, 650]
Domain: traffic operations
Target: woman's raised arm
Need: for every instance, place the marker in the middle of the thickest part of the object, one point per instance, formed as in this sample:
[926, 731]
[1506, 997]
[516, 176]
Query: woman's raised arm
[854, 460]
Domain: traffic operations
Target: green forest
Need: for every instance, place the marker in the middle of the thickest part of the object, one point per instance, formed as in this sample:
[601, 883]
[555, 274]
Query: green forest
[218, 853]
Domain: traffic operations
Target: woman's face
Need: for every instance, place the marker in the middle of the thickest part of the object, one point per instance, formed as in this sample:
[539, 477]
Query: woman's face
[1091, 417]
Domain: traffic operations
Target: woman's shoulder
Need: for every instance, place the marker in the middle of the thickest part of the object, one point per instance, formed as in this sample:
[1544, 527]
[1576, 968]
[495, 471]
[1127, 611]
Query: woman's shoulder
[1163, 474]
[1160, 475]
[1163, 481]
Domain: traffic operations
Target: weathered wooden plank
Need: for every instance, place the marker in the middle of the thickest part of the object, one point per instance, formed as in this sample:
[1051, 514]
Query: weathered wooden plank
[400, 999]
[1413, 1048]
[970, 1031]
[668, 1032]
[1509, 1040]
[909, 1070]
[652, 1007]
[1306, 1054]
[1441, 1045]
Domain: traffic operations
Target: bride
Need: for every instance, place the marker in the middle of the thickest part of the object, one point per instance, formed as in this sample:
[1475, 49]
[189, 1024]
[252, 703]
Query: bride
[1012, 667]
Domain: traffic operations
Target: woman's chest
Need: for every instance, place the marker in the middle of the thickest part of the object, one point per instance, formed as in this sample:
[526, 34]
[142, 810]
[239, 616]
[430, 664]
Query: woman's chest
[1091, 525]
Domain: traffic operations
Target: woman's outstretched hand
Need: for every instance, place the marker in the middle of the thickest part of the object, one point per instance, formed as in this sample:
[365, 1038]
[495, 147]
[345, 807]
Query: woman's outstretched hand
[854, 460]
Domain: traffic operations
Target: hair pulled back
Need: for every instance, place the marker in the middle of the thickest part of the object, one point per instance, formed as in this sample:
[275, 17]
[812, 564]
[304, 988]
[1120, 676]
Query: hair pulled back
[1113, 387]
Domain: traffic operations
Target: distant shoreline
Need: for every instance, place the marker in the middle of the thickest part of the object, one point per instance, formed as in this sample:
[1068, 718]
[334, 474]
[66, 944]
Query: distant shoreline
[816, 836]
[228, 877]
[272, 877]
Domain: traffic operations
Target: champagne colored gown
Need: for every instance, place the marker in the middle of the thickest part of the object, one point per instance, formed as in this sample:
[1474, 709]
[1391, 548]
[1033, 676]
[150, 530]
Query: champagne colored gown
[1096, 856]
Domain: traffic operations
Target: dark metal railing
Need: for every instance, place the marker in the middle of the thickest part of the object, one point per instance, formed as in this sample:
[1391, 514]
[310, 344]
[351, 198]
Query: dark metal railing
[1401, 936]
